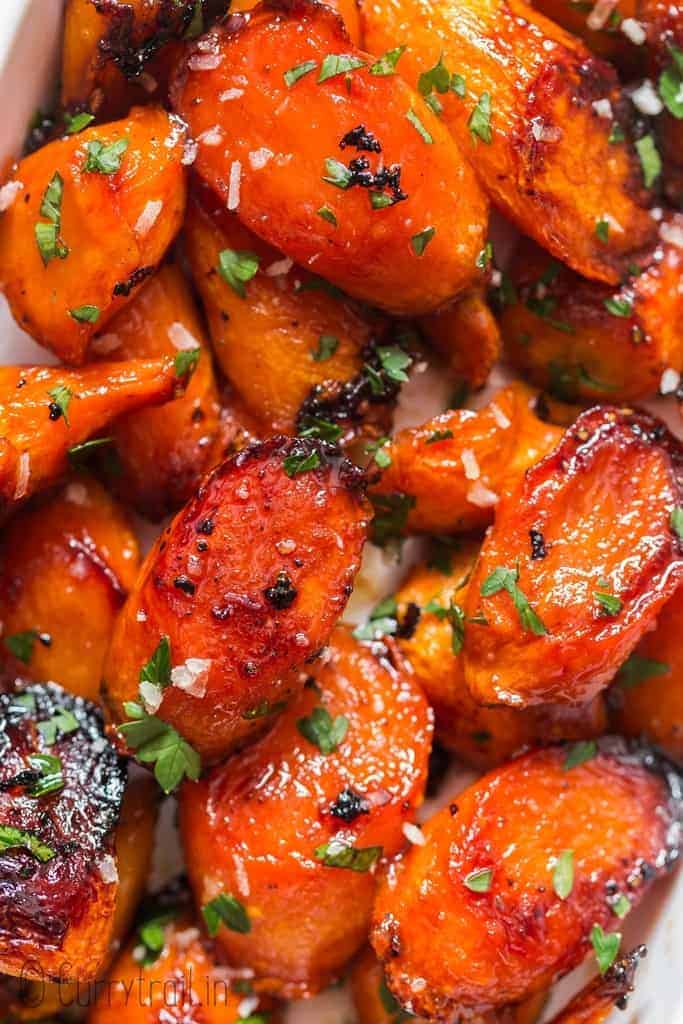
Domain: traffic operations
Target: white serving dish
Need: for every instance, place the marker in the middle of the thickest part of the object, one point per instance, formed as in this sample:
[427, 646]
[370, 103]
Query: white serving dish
[29, 52]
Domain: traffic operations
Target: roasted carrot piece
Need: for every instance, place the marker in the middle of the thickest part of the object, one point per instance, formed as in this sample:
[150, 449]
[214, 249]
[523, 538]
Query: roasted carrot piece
[91, 217]
[346, 171]
[541, 150]
[62, 787]
[293, 828]
[517, 879]
[243, 586]
[346, 9]
[468, 337]
[163, 453]
[48, 412]
[452, 470]
[304, 366]
[70, 558]
[572, 574]
[595, 1002]
[480, 736]
[118, 54]
[147, 986]
[600, 29]
[647, 698]
[374, 1003]
[585, 340]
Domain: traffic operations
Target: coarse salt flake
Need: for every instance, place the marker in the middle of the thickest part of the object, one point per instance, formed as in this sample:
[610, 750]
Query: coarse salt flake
[470, 464]
[669, 381]
[211, 137]
[634, 31]
[230, 94]
[499, 416]
[23, 475]
[204, 61]
[77, 494]
[258, 158]
[189, 153]
[148, 217]
[671, 233]
[141, 615]
[151, 696]
[279, 267]
[646, 99]
[191, 677]
[603, 108]
[234, 185]
[108, 870]
[413, 834]
[181, 338]
[8, 193]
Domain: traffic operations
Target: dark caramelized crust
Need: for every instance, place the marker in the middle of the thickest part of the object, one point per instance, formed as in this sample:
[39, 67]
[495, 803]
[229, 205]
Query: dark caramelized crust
[594, 1003]
[589, 341]
[541, 150]
[255, 826]
[602, 503]
[251, 576]
[448, 944]
[235, 82]
[56, 904]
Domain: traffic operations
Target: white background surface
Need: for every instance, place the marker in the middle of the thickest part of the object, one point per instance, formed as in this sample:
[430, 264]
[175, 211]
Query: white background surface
[29, 48]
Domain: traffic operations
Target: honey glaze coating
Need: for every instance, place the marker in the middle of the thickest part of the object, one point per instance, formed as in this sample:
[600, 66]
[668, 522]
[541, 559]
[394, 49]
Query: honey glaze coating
[61, 789]
[473, 919]
[246, 584]
[295, 825]
[582, 556]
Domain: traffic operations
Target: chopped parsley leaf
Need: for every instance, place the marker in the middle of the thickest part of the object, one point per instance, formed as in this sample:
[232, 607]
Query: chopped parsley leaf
[236, 267]
[394, 362]
[479, 123]
[618, 307]
[391, 515]
[677, 521]
[386, 64]
[21, 645]
[186, 361]
[439, 435]
[421, 240]
[337, 174]
[579, 753]
[637, 669]
[337, 854]
[479, 880]
[316, 426]
[61, 723]
[650, 160]
[78, 453]
[506, 579]
[292, 76]
[327, 346]
[485, 257]
[602, 229]
[671, 83]
[154, 741]
[563, 874]
[51, 774]
[226, 910]
[294, 465]
[17, 838]
[606, 946]
[61, 396]
[621, 905]
[74, 123]
[338, 64]
[419, 127]
[49, 243]
[85, 314]
[323, 731]
[327, 214]
[105, 157]
[610, 604]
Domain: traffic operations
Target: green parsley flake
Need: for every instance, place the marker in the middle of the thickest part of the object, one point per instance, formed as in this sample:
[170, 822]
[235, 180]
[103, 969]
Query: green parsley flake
[439, 435]
[338, 854]
[458, 85]
[85, 314]
[419, 127]
[61, 723]
[479, 123]
[382, 621]
[292, 76]
[610, 604]
[17, 838]
[316, 426]
[619, 307]
[671, 83]
[294, 465]
[78, 453]
[621, 906]
[606, 946]
[51, 774]
[186, 361]
[324, 732]
[157, 671]
[676, 521]
[391, 515]
[506, 579]
[421, 240]
[563, 874]
[479, 880]
[485, 257]
[105, 157]
[327, 214]
[49, 243]
[394, 362]
[455, 616]
[380, 200]
[386, 64]
[650, 160]
[264, 709]
[157, 742]
[226, 910]
[21, 645]
[61, 396]
[617, 134]
[327, 346]
[152, 936]
[437, 79]
[637, 669]
[77, 122]
[337, 174]
[378, 451]
[338, 64]
[579, 753]
[602, 229]
[196, 26]
[236, 267]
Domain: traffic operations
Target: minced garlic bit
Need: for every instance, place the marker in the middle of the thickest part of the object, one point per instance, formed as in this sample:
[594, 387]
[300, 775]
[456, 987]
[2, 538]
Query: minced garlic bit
[279, 267]
[181, 338]
[634, 31]
[413, 834]
[23, 475]
[669, 381]
[108, 870]
[8, 193]
[258, 158]
[470, 464]
[603, 108]
[646, 99]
